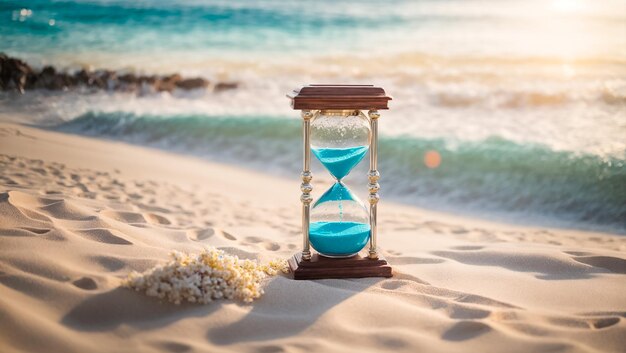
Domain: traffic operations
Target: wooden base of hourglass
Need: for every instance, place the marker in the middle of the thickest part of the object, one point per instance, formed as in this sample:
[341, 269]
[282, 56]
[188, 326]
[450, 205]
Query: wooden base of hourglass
[320, 267]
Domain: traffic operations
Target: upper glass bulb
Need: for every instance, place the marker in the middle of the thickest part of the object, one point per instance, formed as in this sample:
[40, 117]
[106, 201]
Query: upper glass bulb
[340, 139]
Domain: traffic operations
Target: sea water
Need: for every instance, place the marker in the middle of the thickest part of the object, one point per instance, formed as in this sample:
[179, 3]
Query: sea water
[339, 238]
[340, 161]
[527, 114]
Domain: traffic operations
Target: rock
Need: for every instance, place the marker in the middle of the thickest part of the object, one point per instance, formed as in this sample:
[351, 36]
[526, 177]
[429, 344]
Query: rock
[223, 86]
[108, 79]
[192, 83]
[14, 73]
[18, 75]
[48, 78]
[48, 71]
[88, 79]
[83, 76]
[128, 78]
[128, 82]
[147, 85]
[167, 83]
[148, 79]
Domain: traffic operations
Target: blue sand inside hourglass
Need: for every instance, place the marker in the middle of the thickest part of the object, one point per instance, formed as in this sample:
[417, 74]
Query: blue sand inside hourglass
[339, 238]
[340, 161]
[342, 237]
[337, 192]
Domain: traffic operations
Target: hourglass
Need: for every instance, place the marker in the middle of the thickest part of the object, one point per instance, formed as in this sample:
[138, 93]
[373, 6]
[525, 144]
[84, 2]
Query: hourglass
[338, 226]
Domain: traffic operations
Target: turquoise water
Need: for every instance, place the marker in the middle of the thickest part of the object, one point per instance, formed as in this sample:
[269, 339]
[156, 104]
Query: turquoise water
[340, 161]
[523, 100]
[184, 25]
[523, 181]
[339, 238]
[270, 26]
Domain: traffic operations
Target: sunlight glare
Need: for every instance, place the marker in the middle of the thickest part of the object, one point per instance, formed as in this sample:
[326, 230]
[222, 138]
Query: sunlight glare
[568, 6]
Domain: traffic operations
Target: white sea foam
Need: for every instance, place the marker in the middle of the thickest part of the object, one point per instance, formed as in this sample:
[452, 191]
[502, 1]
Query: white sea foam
[524, 100]
[589, 118]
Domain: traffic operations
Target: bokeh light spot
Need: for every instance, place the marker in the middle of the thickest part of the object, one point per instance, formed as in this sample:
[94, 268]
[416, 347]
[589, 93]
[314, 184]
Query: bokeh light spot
[432, 159]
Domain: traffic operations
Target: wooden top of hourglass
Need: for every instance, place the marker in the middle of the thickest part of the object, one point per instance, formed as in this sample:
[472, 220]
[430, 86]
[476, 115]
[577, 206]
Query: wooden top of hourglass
[361, 97]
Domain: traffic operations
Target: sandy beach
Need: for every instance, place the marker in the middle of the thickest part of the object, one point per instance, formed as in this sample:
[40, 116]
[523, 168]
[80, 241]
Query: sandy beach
[78, 214]
[151, 153]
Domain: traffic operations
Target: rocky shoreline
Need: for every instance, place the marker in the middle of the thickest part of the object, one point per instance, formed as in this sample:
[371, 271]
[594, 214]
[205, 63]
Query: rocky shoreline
[17, 75]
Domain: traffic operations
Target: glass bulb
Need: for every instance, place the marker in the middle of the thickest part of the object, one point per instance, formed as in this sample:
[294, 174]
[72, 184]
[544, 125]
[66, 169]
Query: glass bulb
[339, 222]
[340, 139]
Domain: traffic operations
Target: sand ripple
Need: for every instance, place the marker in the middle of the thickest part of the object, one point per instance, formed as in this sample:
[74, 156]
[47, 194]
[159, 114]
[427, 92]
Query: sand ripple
[69, 235]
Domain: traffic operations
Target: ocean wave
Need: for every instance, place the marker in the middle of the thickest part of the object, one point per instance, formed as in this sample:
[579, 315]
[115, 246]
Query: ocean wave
[438, 82]
[590, 120]
[486, 176]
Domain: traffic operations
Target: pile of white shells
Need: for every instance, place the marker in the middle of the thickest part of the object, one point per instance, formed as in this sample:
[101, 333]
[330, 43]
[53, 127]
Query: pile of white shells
[204, 277]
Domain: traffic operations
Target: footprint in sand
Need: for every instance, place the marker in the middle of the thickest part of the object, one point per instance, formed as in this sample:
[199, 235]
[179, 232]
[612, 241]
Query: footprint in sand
[154, 218]
[593, 323]
[466, 330]
[86, 283]
[253, 240]
[270, 349]
[465, 313]
[123, 216]
[109, 263]
[175, 347]
[151, 208]
[504, 316]
[392, 342]
[135, 196]
[40, 171]
[200, 234]
[603, 322]
[38, 231]
[80, 188]
[8, 181]
[269, 245]
[272, 246]
[229, 236]
[103, 235]
[572, 322]
[393, 284]
[613, 264]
